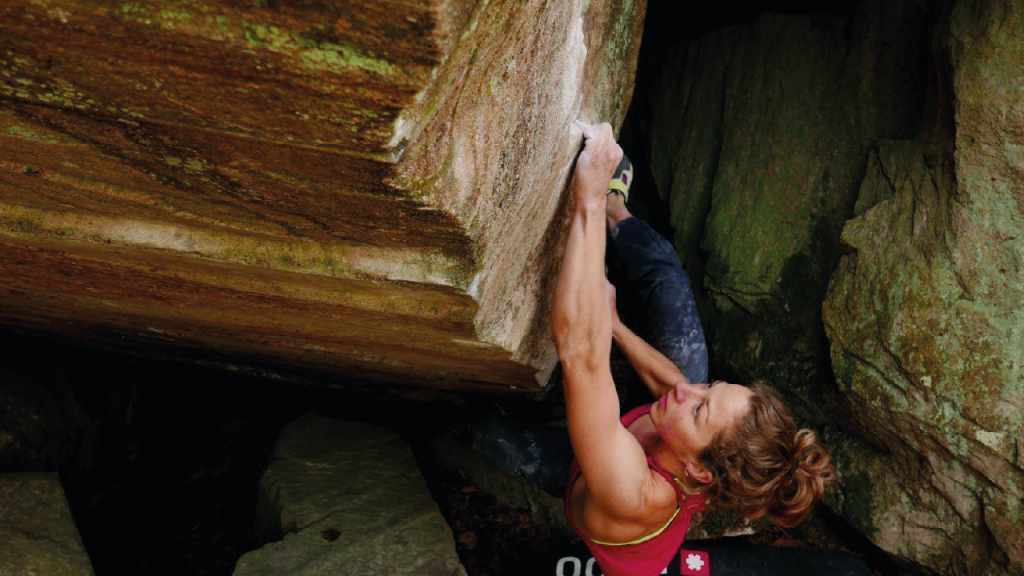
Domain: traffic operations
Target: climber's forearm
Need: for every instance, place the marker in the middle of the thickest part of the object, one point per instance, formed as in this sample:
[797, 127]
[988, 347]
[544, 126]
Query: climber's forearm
[658, 373]
[581, 320]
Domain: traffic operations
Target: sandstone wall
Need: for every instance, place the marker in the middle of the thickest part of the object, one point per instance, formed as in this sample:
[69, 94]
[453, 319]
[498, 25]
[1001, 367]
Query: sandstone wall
[301, 188]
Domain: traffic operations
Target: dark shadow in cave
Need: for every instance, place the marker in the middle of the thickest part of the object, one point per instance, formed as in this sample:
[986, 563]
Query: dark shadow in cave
[166, 480]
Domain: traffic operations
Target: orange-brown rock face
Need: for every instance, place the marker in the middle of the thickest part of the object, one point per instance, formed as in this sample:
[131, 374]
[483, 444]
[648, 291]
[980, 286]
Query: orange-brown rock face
[368, 190]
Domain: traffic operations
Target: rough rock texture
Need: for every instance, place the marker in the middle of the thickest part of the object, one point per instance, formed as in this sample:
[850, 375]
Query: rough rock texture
[348, 499]
[759, 153]
[37, 533]
[907, 118]
[926, 319]
[333, 187]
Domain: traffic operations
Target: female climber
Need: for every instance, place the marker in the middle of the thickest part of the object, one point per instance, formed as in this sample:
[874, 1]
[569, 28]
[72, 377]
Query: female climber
[637, 481]
[632, 484]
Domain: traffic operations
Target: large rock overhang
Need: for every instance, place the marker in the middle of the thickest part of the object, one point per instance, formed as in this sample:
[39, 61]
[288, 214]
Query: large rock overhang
[345, 191]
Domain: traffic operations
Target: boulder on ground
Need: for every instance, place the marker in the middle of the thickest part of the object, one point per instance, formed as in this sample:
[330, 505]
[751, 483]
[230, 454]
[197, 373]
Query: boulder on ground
[37, 532]
[348, 499]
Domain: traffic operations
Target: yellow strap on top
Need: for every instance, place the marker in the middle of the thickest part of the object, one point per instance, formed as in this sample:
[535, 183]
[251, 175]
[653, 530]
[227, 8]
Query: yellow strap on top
[680, 482]
[619, 185]
[645, 538]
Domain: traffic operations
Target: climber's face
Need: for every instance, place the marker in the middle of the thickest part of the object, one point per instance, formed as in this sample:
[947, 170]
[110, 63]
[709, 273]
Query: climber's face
[689, 417]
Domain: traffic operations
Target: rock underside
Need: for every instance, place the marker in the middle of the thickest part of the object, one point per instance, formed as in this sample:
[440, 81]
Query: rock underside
[348, 498]
[37, 533]
[849, 203]
[301, 189]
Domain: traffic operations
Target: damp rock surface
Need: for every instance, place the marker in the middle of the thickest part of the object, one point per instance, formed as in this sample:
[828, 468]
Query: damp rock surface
[37, 533]
[348, 498]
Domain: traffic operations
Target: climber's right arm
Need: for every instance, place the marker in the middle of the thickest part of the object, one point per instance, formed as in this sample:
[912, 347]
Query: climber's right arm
[610, 457]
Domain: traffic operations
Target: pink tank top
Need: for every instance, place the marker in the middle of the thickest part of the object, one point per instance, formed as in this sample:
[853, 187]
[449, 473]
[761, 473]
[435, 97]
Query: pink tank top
[649, 557]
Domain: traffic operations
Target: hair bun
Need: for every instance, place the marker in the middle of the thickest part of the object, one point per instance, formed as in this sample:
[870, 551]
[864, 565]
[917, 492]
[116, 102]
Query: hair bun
[810, 470]
[765, 465]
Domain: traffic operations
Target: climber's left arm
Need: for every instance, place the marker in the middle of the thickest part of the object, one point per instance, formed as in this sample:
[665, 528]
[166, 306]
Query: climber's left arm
[659, 374]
